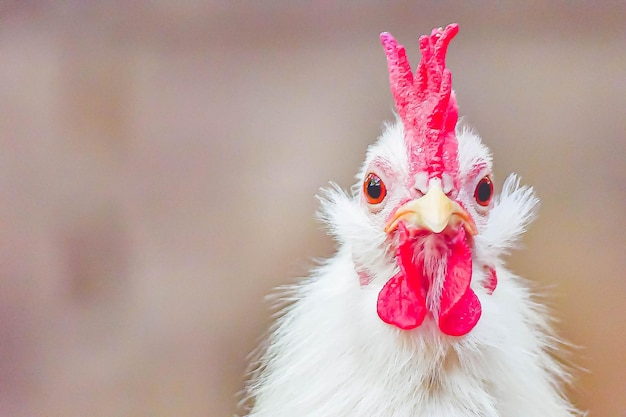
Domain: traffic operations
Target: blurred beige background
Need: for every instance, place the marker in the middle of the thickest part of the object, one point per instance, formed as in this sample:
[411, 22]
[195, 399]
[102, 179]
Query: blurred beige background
[158, 166]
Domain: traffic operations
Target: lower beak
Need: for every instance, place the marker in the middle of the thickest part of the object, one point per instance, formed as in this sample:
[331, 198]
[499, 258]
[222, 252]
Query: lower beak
[434, 211]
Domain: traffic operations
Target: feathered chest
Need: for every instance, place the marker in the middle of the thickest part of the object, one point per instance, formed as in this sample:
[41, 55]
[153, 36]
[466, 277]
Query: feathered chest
[333, 356]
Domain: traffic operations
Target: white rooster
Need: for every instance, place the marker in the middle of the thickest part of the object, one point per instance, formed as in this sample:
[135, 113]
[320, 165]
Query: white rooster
[416, 315]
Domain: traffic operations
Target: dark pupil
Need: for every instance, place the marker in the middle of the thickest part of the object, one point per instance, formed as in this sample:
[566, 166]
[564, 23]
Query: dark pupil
[484, 191]
[373, 188]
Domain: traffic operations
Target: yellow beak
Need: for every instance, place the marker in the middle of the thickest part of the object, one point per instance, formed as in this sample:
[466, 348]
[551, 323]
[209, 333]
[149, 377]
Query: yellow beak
[433, 211]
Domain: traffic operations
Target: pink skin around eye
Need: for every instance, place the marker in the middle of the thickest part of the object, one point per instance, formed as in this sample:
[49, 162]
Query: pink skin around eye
[477, 169]
[384, 169]
[392, 179]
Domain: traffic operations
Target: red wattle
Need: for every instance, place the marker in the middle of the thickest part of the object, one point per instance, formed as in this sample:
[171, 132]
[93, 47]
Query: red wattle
[461, 318]
[399, 305]
[459, 308]
[402, 301]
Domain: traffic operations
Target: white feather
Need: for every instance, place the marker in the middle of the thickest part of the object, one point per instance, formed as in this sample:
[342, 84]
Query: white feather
[330, 355]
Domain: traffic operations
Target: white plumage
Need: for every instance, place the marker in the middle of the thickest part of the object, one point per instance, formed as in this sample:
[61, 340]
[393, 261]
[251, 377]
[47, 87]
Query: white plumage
[330, 354]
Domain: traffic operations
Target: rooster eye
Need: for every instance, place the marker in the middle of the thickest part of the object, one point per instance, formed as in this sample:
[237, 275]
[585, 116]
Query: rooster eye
[374, 189]
[484, 192]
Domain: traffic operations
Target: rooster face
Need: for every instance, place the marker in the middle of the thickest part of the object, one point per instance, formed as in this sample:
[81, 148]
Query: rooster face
[425, 194]
[392, 196]
[429, 227]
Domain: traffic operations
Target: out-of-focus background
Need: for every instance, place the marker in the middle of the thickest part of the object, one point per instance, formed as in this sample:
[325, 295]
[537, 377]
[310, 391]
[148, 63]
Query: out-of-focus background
[159, 161]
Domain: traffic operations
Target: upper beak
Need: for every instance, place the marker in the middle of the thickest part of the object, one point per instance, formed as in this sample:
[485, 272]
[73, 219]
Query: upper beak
[433, 211]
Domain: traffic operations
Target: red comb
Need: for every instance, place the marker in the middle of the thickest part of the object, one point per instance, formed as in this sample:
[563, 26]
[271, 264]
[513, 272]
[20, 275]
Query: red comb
[425, 102]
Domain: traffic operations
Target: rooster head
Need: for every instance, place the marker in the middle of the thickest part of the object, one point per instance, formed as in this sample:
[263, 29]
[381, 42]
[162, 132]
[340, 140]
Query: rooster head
[418, 224]
[433, 225]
